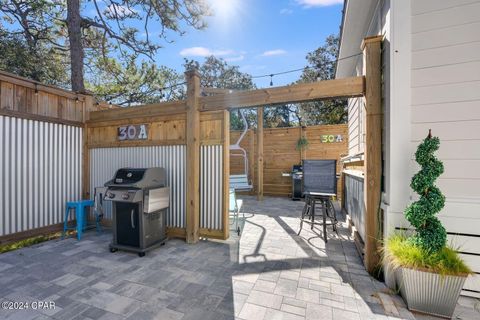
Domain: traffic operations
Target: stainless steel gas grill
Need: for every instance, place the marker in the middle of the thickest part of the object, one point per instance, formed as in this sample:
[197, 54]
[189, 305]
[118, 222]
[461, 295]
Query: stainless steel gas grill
[140, 201]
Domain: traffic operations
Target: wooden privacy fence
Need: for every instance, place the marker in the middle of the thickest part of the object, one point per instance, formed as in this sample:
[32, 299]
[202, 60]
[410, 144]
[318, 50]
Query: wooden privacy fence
[190, 137]
[165, 146]
[281, 153]
[41, 136]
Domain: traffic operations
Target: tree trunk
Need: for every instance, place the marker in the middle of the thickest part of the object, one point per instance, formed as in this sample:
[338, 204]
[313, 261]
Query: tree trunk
[74, 24]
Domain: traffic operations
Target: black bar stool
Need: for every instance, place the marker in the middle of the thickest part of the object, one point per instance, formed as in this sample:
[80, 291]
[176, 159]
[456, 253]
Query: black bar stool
[319, 187]
[312, 200]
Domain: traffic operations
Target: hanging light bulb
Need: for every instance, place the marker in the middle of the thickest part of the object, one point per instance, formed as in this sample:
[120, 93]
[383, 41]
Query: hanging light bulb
[271, 80]
[36, 90]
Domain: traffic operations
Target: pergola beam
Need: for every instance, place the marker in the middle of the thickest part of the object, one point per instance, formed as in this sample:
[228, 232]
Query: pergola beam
[320, 90]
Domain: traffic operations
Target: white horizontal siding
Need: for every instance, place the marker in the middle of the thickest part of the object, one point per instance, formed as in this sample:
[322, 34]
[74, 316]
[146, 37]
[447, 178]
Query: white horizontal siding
[448, 130]
[445, 74]
[437, 19]
[426, 6]
[456, 92]
[445, 84]
[355, 130]
[446, 112]
[453, 54]
[459, 188]
[446, 36]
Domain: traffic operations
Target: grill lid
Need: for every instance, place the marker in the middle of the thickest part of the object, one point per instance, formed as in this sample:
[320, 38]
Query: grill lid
[138, 178]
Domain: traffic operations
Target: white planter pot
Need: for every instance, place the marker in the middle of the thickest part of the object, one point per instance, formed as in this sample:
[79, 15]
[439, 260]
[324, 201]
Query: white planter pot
[429, 293]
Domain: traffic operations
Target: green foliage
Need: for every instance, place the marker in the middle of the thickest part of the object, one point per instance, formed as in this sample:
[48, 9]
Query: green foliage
[399, 251]
[321, 66]
[217, 73]
[430, 234]
[31, 241]
[302, 143]
[42, 64]
[129, 84]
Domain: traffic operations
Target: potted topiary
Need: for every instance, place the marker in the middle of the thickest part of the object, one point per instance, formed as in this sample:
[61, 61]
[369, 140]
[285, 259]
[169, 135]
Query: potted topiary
[429, 274]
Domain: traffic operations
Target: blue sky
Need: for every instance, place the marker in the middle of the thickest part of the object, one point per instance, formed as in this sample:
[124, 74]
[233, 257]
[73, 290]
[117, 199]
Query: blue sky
[260, 36]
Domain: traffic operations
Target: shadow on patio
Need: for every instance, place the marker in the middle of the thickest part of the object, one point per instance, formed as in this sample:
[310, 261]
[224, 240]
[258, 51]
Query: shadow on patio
[270, 273]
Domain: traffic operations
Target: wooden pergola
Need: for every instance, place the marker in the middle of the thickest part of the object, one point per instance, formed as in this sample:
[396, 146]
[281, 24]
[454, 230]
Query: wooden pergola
[367, 86]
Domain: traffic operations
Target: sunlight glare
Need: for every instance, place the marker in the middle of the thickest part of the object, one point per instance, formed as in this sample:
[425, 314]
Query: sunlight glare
[224, 9]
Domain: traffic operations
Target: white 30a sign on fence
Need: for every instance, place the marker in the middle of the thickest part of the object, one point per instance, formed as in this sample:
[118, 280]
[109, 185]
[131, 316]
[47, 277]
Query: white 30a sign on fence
[133, 132]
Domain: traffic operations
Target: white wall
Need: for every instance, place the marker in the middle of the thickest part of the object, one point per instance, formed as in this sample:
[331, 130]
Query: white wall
[445, 86]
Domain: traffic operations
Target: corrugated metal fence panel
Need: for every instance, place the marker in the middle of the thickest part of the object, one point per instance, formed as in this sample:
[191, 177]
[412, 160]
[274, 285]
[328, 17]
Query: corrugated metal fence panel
[211, 187]
[40, 170]
[105, 161]
[354, 202]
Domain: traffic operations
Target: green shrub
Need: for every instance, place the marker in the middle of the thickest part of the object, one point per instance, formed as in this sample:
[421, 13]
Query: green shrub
[399, 251]
[430, 234]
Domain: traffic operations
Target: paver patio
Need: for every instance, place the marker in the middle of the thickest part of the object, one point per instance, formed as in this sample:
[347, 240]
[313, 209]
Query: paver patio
[270, 273]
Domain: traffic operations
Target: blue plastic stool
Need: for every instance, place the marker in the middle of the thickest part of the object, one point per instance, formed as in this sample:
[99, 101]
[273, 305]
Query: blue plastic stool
[80, 213]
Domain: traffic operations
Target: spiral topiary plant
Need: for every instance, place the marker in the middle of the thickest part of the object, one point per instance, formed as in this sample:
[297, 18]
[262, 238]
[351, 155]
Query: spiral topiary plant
[430, 234]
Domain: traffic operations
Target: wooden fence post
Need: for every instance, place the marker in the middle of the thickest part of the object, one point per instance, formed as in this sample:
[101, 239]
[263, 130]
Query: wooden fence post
[251, 159]
[226, 174]
[87, 107]
[373, 148]
[260, 153]
[193, 156]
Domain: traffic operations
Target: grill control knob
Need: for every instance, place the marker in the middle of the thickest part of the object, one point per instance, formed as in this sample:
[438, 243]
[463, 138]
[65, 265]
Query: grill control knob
[125, 196]
[111, 195]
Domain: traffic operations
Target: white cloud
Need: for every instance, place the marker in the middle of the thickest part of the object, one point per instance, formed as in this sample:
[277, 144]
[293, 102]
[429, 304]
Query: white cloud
[318, 3]
[118, 11]
[286, 11]
[276, 52]
[203, 52]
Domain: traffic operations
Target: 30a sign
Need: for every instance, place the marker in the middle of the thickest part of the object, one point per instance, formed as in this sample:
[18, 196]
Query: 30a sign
[331, 138]
[133, 132]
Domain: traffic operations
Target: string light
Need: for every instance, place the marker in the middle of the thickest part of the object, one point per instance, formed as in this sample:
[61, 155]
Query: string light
[271, 75]
[36, 90]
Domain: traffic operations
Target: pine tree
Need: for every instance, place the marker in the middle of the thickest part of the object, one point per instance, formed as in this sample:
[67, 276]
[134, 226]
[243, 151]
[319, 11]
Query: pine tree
[430, 234]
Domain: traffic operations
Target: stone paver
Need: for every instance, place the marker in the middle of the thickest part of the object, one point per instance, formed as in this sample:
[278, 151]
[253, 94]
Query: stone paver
[270, 272]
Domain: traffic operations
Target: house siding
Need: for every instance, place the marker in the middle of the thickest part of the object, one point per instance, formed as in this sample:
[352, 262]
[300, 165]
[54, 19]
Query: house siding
[445, 87]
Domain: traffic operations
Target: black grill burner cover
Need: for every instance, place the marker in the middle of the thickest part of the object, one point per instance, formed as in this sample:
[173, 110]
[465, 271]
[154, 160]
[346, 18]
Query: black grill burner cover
[129, 176]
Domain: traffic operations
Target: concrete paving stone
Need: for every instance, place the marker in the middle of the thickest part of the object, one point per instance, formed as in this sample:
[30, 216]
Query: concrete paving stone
[273, 314]
[66, 279]
[183, 305]
[303, 282]
[318, 311]
[252, 312]
[93, 312]
[290, 274]
[345, 291]
[132, 290]
[265, 299]
[350, 304]
[307, 295]
[244, 287]
[233, 279]
[210, 302]
[340, 314]
[269, 276]
[293, 309]
[108, 301]
[294, 302]
[286, 288]
[71, 311]
[332, 303]
[266, 286]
